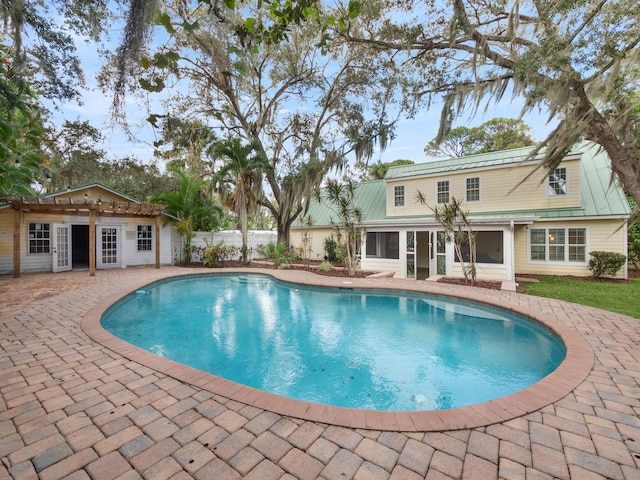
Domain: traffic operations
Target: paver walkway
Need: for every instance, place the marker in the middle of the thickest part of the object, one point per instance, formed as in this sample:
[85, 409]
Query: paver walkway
[72, 408]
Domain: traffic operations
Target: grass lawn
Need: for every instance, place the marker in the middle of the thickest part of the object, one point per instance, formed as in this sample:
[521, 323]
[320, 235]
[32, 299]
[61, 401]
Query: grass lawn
[616, 297]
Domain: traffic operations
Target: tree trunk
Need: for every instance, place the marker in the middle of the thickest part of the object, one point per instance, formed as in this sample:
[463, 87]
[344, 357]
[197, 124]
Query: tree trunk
[625, 161]
[285, 220]
[283, 232]
[243, 229]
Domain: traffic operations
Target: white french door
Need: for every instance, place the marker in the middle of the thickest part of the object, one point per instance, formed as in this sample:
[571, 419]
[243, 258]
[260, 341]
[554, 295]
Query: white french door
[108, 247]
[61, 247]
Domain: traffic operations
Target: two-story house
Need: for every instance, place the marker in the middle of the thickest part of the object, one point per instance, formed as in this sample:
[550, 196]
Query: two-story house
[526, 220]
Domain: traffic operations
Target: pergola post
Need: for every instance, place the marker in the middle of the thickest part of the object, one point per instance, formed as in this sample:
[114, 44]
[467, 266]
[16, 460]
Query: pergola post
[92, 243]
[16, 243]
[157, 241]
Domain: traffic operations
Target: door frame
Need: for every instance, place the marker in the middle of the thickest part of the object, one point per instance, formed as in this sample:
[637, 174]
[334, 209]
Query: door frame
[61, 247]
[100, 245]
[431, 246]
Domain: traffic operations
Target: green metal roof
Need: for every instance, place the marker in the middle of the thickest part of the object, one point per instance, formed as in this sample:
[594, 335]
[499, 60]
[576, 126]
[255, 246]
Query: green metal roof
[481, 160]
[599, 195]
[370, 197]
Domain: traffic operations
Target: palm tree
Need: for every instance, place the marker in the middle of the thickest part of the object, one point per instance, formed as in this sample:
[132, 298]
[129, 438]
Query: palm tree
[240, 180]
[339, 198]
[458, 230]
[195, 209]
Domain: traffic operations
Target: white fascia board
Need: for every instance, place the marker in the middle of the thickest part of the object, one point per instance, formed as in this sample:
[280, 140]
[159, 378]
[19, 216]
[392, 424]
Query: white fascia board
[430, 222]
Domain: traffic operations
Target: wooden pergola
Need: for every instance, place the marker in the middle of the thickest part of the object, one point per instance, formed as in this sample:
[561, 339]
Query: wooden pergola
[86, 207]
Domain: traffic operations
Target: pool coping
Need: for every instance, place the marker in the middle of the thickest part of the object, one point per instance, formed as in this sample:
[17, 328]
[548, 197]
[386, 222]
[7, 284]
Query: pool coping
[570, 373]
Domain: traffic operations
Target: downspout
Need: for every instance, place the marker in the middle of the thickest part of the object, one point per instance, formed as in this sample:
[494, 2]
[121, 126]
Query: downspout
[512, 263]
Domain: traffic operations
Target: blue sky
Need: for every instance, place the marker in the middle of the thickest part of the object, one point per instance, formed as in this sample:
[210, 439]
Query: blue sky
[411, 134]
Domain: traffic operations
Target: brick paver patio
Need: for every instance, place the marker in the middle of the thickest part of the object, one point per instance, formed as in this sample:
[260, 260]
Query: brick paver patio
[73, 408]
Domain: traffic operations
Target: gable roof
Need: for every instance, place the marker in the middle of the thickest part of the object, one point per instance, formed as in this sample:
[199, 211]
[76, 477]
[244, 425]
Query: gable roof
[470, 162]
[67, 191]
[93, 185]
[62, 201]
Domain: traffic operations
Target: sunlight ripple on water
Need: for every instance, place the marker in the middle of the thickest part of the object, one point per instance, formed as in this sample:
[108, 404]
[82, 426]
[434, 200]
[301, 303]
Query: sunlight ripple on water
[357, 348]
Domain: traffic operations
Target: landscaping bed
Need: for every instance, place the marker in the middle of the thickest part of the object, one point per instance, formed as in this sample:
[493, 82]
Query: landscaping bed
[337, 270]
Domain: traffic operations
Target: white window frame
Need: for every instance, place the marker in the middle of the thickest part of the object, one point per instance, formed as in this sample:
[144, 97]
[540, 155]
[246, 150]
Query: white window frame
[566, 245]
[142, 237]
[398, 198]
[439, 192]
[558, 182]
[35, 239]
[466, 191]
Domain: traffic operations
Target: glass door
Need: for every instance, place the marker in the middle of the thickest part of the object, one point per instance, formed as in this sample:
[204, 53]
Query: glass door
[441, 253]
[108, 248]
[411, 254]
[61, 248]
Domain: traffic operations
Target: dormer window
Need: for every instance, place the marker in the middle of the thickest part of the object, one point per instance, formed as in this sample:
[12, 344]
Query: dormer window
[398, 196]
[558, 182]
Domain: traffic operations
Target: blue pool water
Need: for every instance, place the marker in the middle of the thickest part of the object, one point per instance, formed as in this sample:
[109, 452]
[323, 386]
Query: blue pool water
[377, 349]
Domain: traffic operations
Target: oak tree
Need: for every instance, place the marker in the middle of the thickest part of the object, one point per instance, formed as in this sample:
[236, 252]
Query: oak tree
[308, 109]
[576, 60]
[492, 136]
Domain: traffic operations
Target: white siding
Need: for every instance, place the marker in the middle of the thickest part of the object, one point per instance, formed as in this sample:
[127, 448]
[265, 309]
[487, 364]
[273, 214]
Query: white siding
[43, 262]
[133, 257]
[381, 265]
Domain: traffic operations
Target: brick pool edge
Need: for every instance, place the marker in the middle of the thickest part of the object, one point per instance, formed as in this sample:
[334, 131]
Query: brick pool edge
[570, 373]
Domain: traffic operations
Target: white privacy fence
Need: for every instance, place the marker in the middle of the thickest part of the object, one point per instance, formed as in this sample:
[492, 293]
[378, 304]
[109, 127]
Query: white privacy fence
[234, 239]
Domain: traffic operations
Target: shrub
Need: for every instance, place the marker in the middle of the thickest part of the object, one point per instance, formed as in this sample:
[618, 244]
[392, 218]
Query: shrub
[634, 253]
[634, 244]
[633, 234]
[605, 263]
[331, 249]
[335, 251]
[212, 255]
[278, 253]
[326, 266]
[341, 253]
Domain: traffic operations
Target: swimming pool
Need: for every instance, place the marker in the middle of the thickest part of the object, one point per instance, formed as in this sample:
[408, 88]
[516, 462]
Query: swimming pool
[366, 349]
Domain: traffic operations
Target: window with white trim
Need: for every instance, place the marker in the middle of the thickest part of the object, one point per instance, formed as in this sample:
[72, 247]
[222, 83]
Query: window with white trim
[473, 189]
[144, 238]
[398, 196]
[39, 237]
[443, 191]
[558, 182]
[565, 245]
